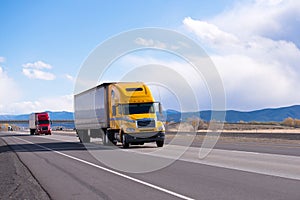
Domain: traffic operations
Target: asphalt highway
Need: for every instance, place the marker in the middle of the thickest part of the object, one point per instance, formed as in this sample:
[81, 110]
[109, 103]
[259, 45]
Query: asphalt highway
[66, 169]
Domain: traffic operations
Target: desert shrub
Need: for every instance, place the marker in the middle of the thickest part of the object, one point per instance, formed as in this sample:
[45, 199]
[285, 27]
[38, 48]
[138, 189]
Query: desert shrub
[196, 122]
[202, 124]
[254, 123]
[297, 123]
[289, 122]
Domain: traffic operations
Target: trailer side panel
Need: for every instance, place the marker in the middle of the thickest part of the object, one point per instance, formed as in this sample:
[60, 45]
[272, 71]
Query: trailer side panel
[91, 112]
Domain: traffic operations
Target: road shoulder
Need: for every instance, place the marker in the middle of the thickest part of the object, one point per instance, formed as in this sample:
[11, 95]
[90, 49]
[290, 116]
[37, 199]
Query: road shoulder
[16, 180]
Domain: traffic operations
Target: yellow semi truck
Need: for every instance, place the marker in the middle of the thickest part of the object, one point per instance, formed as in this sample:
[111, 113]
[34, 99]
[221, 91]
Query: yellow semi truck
[123, 112]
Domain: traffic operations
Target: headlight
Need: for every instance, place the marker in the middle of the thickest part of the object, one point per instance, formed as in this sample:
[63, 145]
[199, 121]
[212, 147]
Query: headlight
[130, 130]
[161, 128]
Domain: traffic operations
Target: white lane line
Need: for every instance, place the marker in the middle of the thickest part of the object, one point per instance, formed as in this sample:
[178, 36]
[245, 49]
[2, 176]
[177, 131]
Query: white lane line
[283, 166]
[112, 172]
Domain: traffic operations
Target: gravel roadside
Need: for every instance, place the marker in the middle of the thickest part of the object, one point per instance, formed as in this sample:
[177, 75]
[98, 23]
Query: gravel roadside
[16, 181]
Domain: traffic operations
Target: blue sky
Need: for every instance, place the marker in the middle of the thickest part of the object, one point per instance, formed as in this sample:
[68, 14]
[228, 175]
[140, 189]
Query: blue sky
[254, 45]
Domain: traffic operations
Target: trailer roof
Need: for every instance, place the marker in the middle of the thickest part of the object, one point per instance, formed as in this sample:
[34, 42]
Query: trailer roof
[106, 84]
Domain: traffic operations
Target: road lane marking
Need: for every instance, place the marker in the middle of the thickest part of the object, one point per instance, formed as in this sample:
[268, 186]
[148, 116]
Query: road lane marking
[284, 145]
[112, 172]
[278, 165]
[260, 163]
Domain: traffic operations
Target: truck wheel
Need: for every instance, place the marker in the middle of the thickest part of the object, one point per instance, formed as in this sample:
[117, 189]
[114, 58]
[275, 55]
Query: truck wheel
[84, 137]
[159, 143]
[104, 138]
[108, 139]
[124, 143]
[112, 139]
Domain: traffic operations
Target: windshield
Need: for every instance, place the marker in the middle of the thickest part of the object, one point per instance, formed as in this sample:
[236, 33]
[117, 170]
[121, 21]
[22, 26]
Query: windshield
[137, 108]
[43, 122]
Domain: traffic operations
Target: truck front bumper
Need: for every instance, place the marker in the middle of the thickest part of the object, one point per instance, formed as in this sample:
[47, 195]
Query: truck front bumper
[145, 137]
[46, 132]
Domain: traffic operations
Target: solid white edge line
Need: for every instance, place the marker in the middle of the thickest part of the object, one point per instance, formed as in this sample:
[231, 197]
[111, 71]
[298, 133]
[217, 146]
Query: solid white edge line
[112, 172]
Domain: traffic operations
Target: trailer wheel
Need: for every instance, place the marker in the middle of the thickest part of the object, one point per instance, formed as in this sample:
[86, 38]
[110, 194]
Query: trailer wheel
[104, 138]
[83, 136]
[159, 143]
[125, 144]
[86, 138]
[32, 131]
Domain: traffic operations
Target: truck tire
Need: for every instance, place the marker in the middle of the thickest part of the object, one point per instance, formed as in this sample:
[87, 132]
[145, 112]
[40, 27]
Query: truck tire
[84, 137]
[104, 138]
[159, 143]
[32, 131]
[108, 139]
[112, 139]
[125, 144]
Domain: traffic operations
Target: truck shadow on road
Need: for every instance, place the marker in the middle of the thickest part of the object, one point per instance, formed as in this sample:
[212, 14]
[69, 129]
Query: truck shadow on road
[23, 144]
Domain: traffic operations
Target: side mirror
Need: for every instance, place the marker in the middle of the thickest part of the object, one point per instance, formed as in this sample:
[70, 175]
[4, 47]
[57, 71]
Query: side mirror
[160, 108]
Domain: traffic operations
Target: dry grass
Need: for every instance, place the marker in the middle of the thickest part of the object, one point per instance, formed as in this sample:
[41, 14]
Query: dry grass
[237, 139]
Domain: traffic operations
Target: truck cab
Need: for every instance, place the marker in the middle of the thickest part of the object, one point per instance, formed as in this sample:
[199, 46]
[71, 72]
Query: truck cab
[134, 114]
[39, 123]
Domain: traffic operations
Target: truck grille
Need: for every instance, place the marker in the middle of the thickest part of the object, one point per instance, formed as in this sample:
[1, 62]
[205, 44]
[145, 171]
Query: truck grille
[45, 128]
[146, 123]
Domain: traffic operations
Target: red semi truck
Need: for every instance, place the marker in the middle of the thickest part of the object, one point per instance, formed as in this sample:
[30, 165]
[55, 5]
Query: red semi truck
[39, 123]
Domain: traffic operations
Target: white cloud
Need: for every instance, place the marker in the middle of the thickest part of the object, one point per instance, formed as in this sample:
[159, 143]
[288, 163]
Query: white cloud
[61, 103]
[9, 90]
[150, 42]
[174, 76]
[11, 93]
[251, 84]
[155, 43]
[35, 71]
[262, 17]
[69, 77]
[38, 65]
[38, 74]
[209, 32]
[256, 54]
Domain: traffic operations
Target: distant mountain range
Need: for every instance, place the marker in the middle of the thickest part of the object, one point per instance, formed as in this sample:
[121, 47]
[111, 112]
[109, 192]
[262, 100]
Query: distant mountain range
[232, 116]
[264, 115]
[53, 116]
